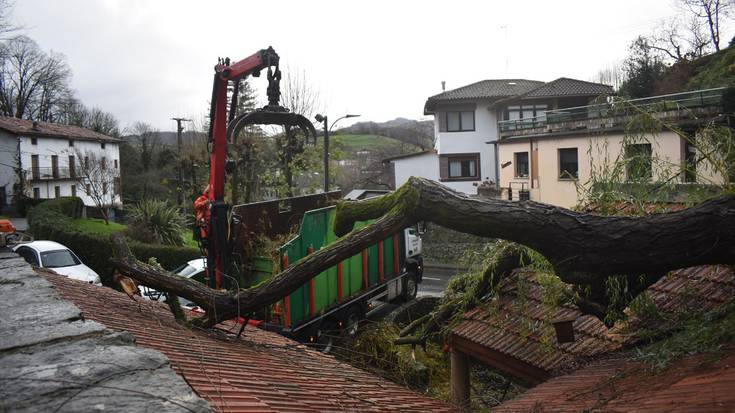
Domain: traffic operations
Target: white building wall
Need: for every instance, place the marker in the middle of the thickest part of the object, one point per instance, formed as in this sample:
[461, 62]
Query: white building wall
[45, 148]
[8, 177]
[425, 166]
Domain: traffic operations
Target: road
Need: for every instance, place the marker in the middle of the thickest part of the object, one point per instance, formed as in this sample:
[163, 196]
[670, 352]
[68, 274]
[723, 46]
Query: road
[435, 280]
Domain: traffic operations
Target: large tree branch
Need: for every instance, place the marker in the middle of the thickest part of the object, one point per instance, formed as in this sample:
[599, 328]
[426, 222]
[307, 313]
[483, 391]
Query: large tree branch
[584, 249]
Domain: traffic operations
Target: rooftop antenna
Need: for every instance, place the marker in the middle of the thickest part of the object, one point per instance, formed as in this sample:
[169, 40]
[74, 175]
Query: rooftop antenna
[444, 86]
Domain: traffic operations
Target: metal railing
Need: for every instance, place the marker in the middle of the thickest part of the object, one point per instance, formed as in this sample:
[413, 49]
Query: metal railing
[50, 173]
[672, 102]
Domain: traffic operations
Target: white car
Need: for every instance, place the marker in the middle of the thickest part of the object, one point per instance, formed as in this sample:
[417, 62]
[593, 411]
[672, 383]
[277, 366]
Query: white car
[192, 269]
[50, 254]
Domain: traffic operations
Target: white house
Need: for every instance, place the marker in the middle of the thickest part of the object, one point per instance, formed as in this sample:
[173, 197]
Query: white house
[466, 126]
[48, 156]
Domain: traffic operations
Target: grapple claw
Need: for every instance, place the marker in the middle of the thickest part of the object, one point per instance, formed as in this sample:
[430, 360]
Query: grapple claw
[271, 115]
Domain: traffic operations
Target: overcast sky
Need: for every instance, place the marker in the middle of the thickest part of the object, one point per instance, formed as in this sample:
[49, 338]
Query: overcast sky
[151, 60]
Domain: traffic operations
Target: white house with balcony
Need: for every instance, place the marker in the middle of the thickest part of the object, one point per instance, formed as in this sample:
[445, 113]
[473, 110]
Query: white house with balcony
[51, 159]
[467, 126]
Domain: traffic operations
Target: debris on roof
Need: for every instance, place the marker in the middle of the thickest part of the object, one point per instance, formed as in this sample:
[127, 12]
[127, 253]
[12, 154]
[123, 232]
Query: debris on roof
[26, 127]
[52, 359]
[261, 371]
[513, 332]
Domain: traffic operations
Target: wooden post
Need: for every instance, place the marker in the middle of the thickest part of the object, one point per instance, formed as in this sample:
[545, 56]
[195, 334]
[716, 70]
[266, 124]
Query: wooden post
[460, 376]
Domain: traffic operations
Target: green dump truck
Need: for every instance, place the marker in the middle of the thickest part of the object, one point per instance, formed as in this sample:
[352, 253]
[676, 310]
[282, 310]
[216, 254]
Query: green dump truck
[336, 300]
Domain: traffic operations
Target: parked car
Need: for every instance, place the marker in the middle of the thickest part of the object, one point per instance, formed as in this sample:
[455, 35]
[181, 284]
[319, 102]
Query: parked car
[50, 254]
[193, 269]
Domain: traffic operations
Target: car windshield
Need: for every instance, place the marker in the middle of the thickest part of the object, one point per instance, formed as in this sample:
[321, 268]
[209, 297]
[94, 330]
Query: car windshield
[186, 271]
[58, 258]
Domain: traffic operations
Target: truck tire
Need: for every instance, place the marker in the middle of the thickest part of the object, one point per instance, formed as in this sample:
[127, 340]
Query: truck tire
[352, 323]
[410, 288]
[325, 337]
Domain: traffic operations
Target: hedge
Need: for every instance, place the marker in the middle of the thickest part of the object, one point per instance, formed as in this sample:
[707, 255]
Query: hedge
[50, 220]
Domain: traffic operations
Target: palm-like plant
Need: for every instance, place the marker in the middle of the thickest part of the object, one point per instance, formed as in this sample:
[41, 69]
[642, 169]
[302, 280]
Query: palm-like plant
[157, 222]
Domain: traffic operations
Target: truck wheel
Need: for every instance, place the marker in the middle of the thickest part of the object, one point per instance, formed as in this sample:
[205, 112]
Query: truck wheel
[352, 323]
[411, 288]
[325, 337]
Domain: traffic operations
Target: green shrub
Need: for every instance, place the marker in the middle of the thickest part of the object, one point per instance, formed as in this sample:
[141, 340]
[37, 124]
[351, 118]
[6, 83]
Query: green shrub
[156, 222]
[47, 221]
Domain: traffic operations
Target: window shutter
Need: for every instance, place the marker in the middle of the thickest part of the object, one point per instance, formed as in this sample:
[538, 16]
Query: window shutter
[443, 167]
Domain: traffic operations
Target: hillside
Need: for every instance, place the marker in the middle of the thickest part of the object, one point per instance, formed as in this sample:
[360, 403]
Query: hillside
[715, 70]
[419, 133]
[349, 145]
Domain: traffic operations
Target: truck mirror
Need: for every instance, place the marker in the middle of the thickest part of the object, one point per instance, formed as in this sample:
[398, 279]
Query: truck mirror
[421, 227]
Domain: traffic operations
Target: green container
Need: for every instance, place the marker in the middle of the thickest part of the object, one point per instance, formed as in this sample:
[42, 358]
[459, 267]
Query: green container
[315, 232]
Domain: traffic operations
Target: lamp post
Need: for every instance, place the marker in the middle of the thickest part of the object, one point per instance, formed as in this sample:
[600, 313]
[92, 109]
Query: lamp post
[324, 121]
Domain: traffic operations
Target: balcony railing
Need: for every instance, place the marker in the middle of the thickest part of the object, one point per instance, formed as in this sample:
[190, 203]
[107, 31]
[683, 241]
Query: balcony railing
[50, 173]
[674, 102]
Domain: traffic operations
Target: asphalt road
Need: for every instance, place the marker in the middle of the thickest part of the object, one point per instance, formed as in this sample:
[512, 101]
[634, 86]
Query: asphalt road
[435, 280]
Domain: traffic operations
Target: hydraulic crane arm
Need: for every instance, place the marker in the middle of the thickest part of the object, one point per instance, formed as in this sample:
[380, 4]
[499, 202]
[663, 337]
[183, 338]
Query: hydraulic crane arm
[224, 129]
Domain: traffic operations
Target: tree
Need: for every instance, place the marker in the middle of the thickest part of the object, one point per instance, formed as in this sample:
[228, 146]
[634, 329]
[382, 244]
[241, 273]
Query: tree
[98, 180]
[612, 75]
[586, 251]
[6, 25]
[72, 112]
[148, 141]
[32, 83]
[643, 68]
[712, 12]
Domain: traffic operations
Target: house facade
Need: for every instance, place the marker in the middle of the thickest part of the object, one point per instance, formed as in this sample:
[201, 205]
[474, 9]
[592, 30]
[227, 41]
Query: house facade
[55, 161]
[554, 160]
[466, 126]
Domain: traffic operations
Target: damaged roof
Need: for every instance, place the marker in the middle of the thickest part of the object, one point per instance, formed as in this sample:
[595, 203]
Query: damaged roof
[26, 127]
[261, 371]
[693, 384]
[514, 333]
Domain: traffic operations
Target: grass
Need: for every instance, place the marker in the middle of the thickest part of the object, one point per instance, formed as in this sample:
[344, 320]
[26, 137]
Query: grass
[374, 143]
[96, 226]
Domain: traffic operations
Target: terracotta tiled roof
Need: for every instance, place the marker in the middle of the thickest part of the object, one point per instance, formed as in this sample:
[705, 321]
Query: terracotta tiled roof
[514, 329]
[52, 130]
[694, 384]
[261, 371]
[484, 89]
[565, 86]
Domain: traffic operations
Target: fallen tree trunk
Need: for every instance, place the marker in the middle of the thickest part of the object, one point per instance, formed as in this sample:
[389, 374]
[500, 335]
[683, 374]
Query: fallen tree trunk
[584, 249]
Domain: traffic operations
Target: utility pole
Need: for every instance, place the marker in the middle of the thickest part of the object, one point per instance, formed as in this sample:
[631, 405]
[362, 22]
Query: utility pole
[179, 129]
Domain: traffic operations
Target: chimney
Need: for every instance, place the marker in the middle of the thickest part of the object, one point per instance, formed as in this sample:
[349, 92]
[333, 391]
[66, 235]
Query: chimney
[444, 86]
[35, 125]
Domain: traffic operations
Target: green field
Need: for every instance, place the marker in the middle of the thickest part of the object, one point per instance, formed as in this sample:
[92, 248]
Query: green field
[350, 144]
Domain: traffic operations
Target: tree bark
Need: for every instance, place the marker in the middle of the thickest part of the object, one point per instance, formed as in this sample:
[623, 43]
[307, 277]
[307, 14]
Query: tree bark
[584, 249]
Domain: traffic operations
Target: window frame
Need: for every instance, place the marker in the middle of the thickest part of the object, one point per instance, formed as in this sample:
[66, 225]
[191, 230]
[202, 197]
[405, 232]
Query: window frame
[459, 115]
[459, 157]
[516, 164]
[563, 173]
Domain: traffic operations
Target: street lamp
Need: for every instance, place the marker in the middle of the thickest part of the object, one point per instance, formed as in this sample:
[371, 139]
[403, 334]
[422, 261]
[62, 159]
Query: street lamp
[323, 120]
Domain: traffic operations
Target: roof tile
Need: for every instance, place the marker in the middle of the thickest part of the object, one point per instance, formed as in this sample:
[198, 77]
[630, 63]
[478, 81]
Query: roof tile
[53, 130]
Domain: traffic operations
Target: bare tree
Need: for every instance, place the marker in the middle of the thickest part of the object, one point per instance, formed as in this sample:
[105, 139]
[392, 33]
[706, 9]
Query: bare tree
[148, 141]
[32, 83]
[98, 180]
[612, 75]
[678, 41]
[712, 12]
[6, 25]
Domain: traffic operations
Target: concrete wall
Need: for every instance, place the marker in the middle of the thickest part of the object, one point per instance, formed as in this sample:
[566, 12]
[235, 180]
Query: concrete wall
[46, 147]
[426, 166]
[592, 152]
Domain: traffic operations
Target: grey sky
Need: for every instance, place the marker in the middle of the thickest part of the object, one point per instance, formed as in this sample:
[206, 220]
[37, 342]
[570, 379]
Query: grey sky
[151, 60]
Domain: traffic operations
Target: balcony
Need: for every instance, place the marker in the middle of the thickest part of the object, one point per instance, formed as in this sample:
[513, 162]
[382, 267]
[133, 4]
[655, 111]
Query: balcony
[686, 105]
[50, 174]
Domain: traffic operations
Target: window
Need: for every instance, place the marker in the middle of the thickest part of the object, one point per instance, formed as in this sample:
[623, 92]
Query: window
[568, 163]
[460, 121]
[86, 163]
[72, 167]
[37, 193]
[526, 112]
[57, 192]
[638, 157]
[34, 141]
[73, 190]
[460, 167]
[58, 259]
[690, 161]
[29, 255]
[71, 142]
[88, 189]
[116, 186]
[521, 161]
[103, 163]
[104, 188]
[35, 170]
[55, 166]
[102, 145]
[115, 161]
